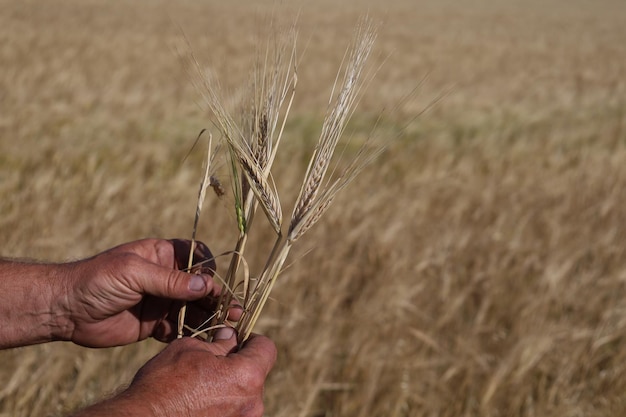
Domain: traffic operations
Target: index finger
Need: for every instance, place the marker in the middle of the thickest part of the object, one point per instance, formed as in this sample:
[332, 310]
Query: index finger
[203, 259]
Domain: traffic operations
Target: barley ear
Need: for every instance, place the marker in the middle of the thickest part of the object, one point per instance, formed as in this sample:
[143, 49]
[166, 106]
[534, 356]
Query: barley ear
[265, 193]
[309, 205]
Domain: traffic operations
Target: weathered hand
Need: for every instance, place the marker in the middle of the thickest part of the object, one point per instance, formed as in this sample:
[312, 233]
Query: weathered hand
[195, 378]
[134, 291]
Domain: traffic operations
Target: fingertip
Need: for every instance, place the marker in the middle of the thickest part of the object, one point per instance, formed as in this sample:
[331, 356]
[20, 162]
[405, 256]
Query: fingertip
[234, 312]
[225, 333]
[198, 283]
[199, 286]
[224, 342]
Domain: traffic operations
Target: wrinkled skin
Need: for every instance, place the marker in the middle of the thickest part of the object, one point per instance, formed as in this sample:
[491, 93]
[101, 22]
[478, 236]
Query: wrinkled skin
[135, 290]
[132, 292]
[194, 378]
[125, 295]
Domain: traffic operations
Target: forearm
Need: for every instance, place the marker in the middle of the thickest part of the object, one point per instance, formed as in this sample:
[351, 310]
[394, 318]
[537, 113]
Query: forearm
[31, 303]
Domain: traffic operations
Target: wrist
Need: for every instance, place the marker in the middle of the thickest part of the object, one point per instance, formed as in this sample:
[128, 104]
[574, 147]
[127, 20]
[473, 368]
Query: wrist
[61, 324]
[32, 297]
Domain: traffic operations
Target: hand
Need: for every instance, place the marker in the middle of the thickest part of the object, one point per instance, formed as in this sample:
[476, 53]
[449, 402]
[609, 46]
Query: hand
[134, 291]
[195, 378]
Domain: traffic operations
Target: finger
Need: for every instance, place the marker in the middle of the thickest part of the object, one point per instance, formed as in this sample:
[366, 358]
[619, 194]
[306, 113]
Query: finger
[234, 312]
[203, 260]
[224, 342]
[149, 278]
[205, 307]
[259, 350]
[153, 317]
[198, 317]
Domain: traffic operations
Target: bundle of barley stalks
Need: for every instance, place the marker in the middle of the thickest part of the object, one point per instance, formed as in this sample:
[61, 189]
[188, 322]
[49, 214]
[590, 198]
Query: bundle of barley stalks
[250, 149]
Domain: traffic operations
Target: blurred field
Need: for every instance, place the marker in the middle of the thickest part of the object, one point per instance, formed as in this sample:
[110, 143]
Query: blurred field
[479, 269]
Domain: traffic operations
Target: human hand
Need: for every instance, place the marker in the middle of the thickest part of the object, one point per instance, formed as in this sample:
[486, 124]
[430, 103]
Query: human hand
[134, 291]
[195, 378]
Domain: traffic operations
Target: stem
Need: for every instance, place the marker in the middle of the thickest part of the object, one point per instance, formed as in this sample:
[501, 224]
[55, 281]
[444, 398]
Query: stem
[201, 195]
[183, 310]
[225, 298]
[254, 305]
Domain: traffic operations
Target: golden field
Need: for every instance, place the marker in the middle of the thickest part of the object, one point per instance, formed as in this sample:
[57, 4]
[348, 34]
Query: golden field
[477, 269]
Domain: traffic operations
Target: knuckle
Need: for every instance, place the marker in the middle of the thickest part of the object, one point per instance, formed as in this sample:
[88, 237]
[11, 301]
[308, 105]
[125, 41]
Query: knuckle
[173, 281]
[164, 251]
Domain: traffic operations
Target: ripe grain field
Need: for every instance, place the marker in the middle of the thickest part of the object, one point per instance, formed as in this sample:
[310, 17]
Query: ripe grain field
[478, 269]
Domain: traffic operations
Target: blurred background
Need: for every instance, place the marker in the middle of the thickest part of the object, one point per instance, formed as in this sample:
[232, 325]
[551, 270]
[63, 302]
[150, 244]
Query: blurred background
[477, 269]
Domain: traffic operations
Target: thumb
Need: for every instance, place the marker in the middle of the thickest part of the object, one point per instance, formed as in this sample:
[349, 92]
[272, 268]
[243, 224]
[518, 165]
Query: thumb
[259, 350]
[170, 283]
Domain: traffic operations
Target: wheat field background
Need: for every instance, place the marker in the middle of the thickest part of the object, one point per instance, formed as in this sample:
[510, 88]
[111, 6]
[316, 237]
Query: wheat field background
[477, 269]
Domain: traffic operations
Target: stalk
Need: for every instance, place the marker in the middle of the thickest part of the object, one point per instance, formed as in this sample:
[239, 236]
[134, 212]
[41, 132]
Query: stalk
[204, 184]
[259, 296]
